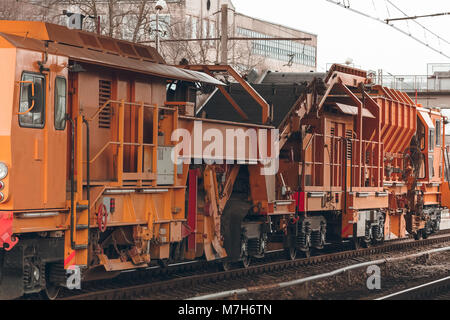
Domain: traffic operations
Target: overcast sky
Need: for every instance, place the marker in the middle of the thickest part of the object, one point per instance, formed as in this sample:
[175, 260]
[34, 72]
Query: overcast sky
[372, 45]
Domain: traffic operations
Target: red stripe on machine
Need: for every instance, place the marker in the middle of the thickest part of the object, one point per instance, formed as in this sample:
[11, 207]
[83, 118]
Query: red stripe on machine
[344, 231]
[69, 259]
[7, 241]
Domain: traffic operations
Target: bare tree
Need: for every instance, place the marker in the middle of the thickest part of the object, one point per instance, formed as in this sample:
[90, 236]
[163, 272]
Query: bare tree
[45, 10]
[9, 10]
[130, 20]
[206, 51]
[136, 21]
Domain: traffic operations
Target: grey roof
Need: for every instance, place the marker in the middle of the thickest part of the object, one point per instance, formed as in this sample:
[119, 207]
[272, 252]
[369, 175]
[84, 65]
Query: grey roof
[282, 97]
[291, 77]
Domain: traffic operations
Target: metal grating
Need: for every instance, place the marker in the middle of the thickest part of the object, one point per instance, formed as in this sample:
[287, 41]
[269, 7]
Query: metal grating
[104, 94]
[349, 136]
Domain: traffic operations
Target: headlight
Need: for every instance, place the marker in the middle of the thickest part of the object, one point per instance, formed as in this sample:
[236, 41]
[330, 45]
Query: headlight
[3, 170]
[2, 197]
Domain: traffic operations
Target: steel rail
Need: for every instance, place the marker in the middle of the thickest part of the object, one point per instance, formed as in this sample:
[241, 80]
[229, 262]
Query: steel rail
[429, 289]
[281, 285]
[157, 289]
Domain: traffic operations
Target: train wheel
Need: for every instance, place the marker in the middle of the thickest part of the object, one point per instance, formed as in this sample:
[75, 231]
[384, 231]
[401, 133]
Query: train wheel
[163, 263]
[306, 253]
[225, 266]
[304, 241]
[246, 261]
[368, 237]
[54, 276]
[366, 244]
[356, 243]
[378, 233]
[291, 253]
[51, 291]
[245, 258]
[418, 235]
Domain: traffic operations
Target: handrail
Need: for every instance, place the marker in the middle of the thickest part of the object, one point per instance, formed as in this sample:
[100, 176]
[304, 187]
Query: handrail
[99, 110]
[33, 103]
[135, 104]
[120, 143]
[117, 143]
[102, 150]
[367, 146]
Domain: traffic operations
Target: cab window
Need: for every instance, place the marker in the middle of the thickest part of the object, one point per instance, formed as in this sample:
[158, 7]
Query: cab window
[32, 101]
[60, 103]
[431, 140]
[438, 133]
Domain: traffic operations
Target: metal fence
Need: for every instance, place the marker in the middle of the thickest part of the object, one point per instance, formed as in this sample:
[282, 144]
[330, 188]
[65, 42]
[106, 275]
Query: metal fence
[437, 79]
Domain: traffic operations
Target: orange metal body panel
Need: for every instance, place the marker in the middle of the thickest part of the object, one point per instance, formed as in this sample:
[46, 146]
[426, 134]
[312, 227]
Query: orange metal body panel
[343, 167]
[35, 151]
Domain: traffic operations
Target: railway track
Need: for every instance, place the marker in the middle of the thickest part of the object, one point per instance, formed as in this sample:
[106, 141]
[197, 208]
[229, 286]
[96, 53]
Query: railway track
[190, 284]
[434, 290]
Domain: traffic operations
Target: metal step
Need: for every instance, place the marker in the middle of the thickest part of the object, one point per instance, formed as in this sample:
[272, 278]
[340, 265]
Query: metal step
[82, 207]
[80, 247]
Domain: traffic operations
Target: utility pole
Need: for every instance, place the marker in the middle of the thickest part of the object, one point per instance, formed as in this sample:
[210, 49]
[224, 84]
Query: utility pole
[224, 35]
[159, 6]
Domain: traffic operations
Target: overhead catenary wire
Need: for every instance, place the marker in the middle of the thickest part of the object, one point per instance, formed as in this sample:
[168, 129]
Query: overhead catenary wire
[391, 25]
[418, 23]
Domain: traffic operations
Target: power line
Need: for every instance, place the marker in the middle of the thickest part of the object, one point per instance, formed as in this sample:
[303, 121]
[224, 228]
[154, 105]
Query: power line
[391, 25]
[418, 23]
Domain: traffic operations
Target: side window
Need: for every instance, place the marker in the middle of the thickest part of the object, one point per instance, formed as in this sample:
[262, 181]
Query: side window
[431, 140]
[438, 133]
[60, 103]
[32, 104]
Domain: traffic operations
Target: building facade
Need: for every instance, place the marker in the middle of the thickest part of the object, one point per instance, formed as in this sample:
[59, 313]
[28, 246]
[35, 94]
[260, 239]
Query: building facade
[203, 20]
[183, 20]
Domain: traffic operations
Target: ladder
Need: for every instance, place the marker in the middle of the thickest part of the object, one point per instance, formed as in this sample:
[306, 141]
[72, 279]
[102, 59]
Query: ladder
[76, 245]
[77, 237]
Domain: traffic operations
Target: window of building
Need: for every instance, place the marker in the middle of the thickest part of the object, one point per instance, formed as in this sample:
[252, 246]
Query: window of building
[300, 53]
[205, 28]
[129, 23]
[212, 31]
[60, 103]
[163, 25]
[32, 101]
[194, 21]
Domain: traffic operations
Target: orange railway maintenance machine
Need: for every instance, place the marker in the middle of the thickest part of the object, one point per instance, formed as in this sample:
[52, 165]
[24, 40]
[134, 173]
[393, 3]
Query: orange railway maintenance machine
[90, 128]
[86, 146]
